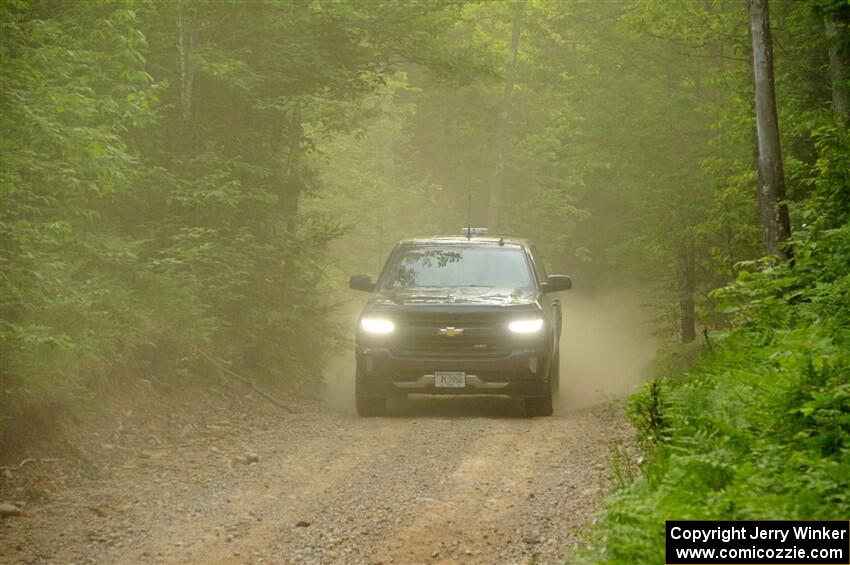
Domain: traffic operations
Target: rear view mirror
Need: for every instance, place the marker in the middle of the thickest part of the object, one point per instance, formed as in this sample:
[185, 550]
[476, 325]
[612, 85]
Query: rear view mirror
[361, 282]
[557, 283]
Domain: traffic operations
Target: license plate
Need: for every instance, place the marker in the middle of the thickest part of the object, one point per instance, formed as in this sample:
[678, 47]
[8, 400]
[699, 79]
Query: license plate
[449, 379]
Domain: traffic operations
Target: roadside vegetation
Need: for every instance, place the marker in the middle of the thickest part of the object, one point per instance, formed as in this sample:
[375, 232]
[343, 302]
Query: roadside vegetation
[155, 157]
[187, 185]
[759, 426]
[752, 421]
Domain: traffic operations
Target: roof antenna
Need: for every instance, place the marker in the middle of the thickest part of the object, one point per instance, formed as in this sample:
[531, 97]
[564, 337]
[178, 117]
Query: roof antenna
[469, 215]
[380, 243]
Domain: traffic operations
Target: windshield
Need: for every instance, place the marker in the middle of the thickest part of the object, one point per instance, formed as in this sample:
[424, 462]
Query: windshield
[496, 267]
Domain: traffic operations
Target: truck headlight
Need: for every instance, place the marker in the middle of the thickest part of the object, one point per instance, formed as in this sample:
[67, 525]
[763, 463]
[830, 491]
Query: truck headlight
[377, 325]
[530, 326]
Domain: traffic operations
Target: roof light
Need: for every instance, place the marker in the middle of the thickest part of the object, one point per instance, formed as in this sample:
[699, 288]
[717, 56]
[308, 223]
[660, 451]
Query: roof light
[469, 232]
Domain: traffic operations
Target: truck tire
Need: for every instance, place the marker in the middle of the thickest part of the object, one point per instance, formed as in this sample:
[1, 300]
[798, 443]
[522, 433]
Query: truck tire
[555, 375]
[541, 405]
[368, 406]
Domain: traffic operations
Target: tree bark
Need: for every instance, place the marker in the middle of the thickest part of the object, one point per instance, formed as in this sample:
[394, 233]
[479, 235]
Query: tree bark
[292, 182]
[838, 68]
[773, 212]
[388, 143]
[390, 172]
[687, 288]
[185, 46]
[504, 123]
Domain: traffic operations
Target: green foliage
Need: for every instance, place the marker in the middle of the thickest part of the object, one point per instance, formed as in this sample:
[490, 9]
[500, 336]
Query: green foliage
[759, 428]
[755, 422]
[371, 181]
[198, 176]
[65, 272]
[156, 159]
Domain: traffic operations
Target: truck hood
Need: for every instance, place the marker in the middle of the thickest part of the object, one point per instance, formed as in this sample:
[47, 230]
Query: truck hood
[470, 295]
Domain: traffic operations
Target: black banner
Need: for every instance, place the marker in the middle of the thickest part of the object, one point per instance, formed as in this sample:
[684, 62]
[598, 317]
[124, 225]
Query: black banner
[694, 542]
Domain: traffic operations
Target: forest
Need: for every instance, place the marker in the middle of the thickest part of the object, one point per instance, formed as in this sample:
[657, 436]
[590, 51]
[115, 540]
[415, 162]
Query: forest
[193, 180]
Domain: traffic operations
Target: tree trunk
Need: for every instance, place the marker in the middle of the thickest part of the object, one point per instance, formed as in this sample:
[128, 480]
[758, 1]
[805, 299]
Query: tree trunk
[291, 182]
[773, 212]
[185, 46]
[504, 123]
[388, 162]
[838, 67]
[687, 288]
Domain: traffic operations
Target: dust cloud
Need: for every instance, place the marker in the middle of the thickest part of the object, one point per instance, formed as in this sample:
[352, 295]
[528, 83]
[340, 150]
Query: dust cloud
[338, 381]
[606, 346]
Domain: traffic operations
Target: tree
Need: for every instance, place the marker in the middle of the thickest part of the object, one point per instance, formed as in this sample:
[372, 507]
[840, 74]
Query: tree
[155, 161]
[837, 27]
[773, 210]
[504, 121]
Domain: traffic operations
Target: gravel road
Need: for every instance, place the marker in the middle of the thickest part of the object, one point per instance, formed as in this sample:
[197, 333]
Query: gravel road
[436, 481]
[167, 473]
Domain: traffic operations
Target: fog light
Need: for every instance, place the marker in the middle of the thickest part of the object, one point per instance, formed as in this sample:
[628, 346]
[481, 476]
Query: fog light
[532, 364]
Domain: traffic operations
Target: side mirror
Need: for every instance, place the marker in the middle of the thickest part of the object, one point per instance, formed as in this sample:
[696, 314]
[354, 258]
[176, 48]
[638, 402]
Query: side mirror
[361, 282]
[557, 283]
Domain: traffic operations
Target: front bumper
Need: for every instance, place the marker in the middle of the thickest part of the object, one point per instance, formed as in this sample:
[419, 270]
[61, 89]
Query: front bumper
[519, 374]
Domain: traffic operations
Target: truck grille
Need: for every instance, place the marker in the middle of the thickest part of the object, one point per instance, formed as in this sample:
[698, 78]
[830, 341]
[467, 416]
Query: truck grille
[481, 337]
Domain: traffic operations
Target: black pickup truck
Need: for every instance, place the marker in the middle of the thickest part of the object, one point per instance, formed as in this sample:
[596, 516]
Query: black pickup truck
[460, 315]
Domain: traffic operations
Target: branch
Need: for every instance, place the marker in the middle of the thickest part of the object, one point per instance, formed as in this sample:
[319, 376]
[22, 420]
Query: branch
[246, 381]
[26, 461]
[178, 445]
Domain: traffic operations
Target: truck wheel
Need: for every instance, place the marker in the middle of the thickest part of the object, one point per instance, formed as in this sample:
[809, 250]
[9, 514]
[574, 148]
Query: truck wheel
[368, 406]
[541, 405]
[555, 375]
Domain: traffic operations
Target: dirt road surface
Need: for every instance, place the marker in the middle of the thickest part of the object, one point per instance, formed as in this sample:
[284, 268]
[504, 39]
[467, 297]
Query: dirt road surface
[451, 481]
[221, 476]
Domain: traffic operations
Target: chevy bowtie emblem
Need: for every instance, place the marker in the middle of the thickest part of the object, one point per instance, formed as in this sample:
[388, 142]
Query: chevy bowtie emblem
[451, 331]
